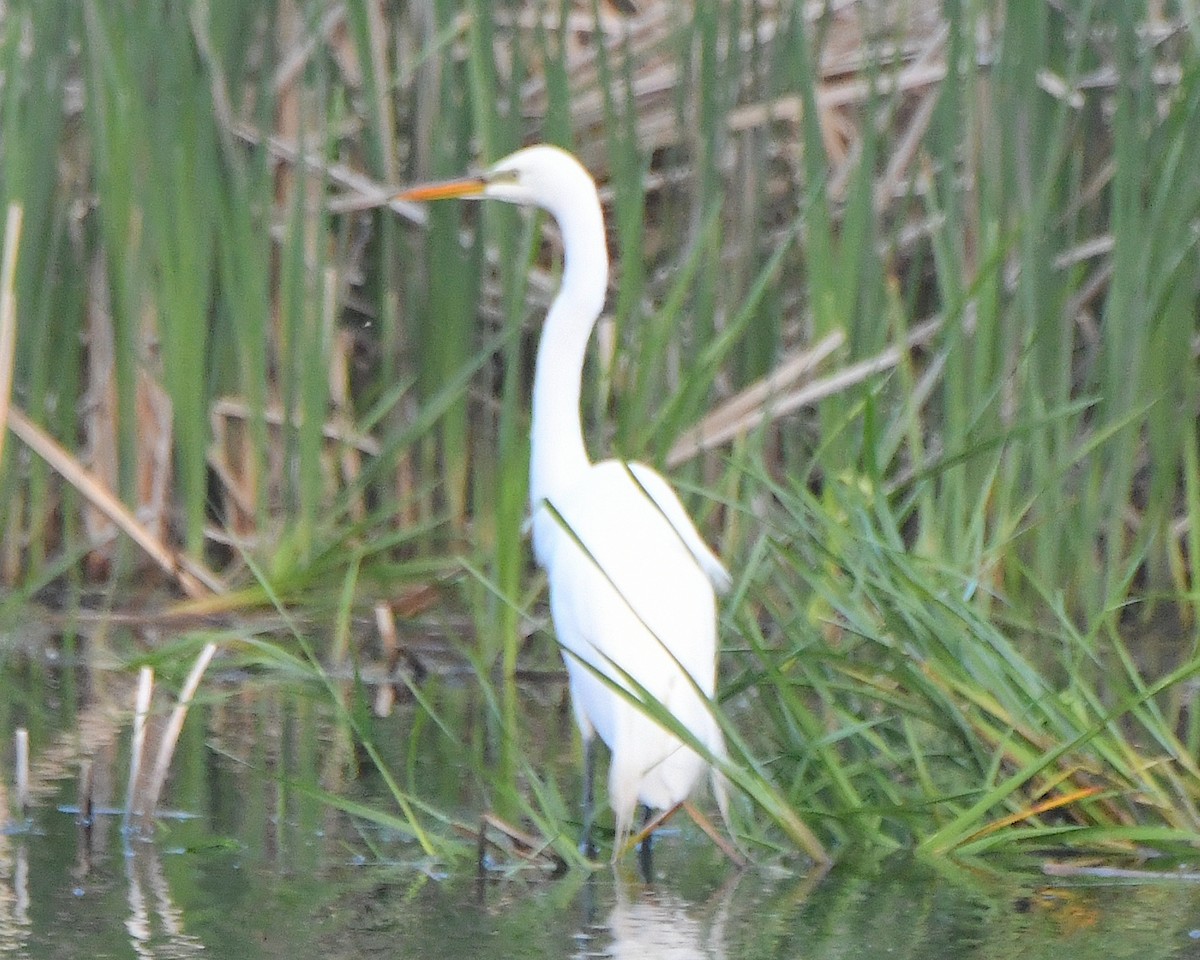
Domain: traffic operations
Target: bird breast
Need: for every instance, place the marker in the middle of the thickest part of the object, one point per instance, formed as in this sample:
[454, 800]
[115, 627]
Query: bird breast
[626, 592]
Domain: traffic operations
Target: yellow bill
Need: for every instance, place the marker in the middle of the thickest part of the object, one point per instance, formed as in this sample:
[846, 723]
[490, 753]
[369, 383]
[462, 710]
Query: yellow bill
[443, 190]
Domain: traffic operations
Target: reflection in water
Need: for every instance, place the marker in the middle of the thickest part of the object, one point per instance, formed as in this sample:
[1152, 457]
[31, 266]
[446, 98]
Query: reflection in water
[656, 922]
[154, 923]
[261, 869]
[15, 927]
[150, 900]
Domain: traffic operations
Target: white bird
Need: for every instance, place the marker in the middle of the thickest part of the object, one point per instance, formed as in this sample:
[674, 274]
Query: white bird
[632, 583]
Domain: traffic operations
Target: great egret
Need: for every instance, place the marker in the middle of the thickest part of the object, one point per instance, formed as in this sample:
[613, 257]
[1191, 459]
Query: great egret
[631, 581]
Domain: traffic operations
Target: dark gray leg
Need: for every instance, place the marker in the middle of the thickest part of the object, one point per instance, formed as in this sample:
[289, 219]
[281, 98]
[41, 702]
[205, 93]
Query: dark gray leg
[589, 795]
[645, 855]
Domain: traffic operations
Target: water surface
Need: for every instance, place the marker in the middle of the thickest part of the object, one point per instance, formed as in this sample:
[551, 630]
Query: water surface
[251, 862]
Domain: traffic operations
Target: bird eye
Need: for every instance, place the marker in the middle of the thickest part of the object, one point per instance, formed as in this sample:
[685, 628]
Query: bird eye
[503, 176]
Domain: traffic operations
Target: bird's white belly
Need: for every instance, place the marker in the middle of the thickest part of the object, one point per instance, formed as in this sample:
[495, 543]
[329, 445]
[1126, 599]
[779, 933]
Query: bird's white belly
[631, 607]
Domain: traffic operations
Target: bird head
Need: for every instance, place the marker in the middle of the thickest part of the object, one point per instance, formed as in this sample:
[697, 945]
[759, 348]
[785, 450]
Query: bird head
[541, 176]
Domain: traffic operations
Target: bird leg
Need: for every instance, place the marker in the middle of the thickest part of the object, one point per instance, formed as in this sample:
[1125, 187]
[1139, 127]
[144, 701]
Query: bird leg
[645, 848]
[648, 827]
[587, 845]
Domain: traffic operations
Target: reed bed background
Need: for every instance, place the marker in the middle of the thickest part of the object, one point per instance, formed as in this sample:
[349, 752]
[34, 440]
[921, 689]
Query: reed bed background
[905, 300]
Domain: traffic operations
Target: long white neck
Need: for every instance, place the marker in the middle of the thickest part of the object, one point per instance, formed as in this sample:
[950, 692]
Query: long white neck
[558, 457]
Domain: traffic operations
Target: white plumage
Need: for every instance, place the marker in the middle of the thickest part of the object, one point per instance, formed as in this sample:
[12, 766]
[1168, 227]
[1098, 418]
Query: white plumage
[632, 583]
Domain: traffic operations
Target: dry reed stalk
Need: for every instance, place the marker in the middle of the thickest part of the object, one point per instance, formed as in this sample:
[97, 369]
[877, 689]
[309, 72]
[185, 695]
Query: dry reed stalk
[195, 579]
[137, 744]
[235, 468]
[748, 408]
[361, 192]
[389, 643]
[152, 415]
[719, 426]
[307, 44]
[8, 310]
[87, 791]
[170, 737]
[98, 413]
[380, 48]
[21, 762]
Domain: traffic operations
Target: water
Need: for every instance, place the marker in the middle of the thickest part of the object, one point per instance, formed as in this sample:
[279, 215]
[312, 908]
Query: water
[253, 862]
[194, 893]
[256, 886]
